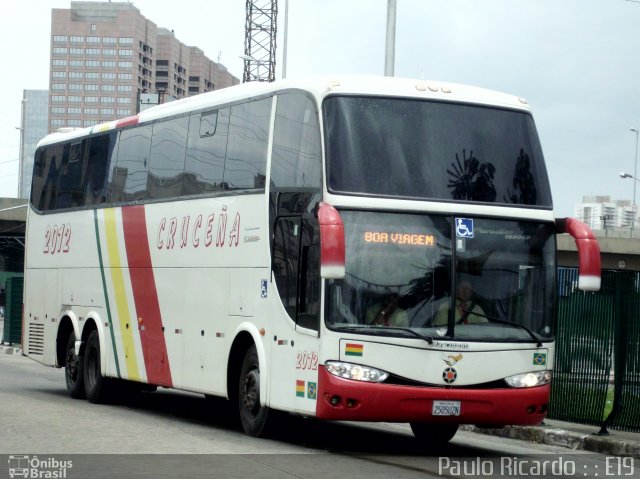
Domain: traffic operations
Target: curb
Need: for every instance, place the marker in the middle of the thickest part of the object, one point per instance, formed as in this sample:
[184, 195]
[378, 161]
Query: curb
[563, 438]
[15, 350]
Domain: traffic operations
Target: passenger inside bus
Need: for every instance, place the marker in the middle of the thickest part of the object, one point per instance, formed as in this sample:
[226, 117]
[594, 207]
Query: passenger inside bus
[467, 310]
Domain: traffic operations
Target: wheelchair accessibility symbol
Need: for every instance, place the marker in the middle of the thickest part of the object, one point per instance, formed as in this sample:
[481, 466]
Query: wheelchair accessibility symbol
[464, 227]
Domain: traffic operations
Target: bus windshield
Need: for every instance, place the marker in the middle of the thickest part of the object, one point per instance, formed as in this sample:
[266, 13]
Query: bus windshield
[435, 150]
[444, 276]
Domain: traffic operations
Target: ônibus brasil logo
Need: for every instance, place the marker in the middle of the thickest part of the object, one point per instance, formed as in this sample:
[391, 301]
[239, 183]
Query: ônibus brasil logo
[36, 468]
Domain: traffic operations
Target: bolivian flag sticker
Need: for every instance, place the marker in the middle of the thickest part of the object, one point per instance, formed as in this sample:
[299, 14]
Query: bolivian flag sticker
[300, 389]
[352, 349]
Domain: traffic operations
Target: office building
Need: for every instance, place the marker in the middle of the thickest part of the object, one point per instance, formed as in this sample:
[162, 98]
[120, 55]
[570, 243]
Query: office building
[106, 55]
[33, 127]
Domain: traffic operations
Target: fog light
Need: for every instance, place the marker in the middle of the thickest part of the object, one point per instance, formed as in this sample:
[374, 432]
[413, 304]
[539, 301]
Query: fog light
[335, 400]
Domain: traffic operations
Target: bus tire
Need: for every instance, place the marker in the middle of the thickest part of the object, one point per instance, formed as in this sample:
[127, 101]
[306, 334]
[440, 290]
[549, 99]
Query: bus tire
[73, 370]
[96, 386]
[433, 434]
[253, 416]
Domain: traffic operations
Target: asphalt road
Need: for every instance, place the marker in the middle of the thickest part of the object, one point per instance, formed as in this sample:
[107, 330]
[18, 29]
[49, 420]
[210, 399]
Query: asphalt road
[172, 434]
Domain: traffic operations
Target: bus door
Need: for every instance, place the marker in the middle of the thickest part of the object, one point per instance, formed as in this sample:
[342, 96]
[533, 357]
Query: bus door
[296, 310]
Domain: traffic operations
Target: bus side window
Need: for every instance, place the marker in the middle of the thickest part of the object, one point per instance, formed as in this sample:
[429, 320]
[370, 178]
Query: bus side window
[286, 250]
[166, 168]
[206, 150]
[50, 165]
[129, 177]
[100, 149]
[39, 179]
[309, 282]
[70, 189]
[296, 181]
[296, 158]
[296, 269]
[246, 158]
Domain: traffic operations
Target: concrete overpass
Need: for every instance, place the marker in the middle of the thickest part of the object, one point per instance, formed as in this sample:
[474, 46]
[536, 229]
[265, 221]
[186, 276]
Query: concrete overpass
[13, 217]
[618, 253]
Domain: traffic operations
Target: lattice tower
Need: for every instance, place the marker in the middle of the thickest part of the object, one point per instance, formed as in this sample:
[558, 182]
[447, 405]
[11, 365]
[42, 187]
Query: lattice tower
[260, 40]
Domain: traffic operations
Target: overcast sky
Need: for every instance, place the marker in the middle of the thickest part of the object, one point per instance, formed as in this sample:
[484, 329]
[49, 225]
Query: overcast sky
[576, 61]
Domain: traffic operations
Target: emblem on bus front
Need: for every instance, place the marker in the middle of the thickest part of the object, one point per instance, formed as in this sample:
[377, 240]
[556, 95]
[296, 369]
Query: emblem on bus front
[449, 375]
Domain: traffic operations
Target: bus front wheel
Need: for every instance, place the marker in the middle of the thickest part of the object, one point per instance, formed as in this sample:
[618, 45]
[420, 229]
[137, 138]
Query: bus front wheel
[253, 416]
[433, 434]
[73, 370]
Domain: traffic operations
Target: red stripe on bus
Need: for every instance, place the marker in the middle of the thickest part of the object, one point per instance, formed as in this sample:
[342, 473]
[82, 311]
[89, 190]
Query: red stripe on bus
[145, 296]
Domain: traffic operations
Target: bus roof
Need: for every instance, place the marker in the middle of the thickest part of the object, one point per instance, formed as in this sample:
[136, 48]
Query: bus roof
[319, 87]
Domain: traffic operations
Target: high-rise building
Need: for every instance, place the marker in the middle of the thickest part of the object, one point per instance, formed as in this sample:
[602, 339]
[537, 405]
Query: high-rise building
[601, 212]
[105, 55]
[33, 127]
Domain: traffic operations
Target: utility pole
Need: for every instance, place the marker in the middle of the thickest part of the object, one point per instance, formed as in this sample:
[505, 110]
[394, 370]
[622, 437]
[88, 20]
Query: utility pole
[284, 39]
[390, 49]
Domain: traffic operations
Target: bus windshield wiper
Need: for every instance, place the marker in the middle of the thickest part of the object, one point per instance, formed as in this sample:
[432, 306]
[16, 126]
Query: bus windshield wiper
[512, 323]
[356, 329]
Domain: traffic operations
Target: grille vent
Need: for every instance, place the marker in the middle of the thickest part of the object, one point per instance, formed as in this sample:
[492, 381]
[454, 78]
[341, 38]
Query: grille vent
[36, 338]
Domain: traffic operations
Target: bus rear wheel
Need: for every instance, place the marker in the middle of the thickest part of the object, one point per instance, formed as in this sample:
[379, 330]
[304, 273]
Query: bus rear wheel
[254, 417]
[96, 386]
[433, 434]
[73, 370]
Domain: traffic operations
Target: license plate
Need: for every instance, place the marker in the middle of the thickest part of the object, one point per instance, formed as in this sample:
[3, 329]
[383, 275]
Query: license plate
[445, 408]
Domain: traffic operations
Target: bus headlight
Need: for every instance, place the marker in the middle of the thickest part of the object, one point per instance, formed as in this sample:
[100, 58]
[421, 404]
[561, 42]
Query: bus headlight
[529, 380]
[355, 371]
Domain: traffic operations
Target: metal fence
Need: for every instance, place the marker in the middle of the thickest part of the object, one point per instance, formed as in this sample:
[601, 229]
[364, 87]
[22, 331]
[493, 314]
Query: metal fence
[597, 369]
[12, 330]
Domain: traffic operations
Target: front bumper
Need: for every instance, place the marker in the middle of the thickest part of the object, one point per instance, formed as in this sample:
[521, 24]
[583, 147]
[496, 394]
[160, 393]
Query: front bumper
[363, 401]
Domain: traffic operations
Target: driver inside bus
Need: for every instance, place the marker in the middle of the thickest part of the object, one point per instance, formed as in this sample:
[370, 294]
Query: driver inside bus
[467, 310]
[387, 313]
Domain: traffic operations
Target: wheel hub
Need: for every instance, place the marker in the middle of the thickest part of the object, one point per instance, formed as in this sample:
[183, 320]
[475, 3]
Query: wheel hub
[71, 365]
[251, 391]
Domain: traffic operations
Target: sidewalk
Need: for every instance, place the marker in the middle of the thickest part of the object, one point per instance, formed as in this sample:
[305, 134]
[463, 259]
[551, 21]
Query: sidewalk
[570, 435]
[8, 348]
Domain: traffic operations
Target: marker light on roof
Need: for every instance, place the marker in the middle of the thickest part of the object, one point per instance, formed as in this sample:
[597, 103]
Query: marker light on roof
[128, 121]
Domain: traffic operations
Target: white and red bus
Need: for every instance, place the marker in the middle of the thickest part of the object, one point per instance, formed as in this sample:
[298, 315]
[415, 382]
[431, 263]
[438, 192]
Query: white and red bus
[363, 249]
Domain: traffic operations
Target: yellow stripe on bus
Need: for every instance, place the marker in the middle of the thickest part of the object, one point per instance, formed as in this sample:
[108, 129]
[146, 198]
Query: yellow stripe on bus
[122, 305]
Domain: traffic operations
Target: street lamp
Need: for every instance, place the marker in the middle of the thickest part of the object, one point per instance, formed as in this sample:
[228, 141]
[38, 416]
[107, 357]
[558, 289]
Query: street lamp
[635, 178]
[604, 219]
[21, 187]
